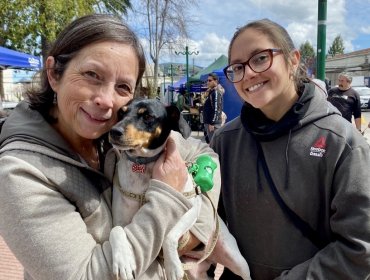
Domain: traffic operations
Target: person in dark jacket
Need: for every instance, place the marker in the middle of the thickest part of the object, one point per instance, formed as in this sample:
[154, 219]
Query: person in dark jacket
[212, 109]
[295, 174]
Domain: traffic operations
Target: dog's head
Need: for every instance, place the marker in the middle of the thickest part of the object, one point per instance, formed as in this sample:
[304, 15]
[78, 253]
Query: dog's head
[146, 124]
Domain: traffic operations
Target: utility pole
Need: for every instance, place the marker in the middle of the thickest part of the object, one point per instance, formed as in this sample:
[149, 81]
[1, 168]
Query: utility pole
[321, 40]
[187, 53]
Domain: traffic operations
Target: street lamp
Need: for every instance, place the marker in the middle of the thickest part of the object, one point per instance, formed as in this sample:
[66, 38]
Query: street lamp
[187, 53]
[321, 40]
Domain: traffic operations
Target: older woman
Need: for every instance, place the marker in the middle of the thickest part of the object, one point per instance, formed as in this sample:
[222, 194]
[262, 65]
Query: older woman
[55, 187]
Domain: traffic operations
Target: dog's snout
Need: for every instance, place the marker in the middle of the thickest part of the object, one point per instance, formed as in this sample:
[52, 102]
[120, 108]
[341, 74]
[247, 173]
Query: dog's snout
[116, 132]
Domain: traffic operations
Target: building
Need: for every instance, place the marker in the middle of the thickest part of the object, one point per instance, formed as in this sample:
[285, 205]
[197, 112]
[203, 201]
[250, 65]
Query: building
[13, 87]
[356, 63]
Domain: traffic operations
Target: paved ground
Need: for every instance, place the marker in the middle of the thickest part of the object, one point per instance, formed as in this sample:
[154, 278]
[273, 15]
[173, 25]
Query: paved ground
[197, 134]
[364, 122]
[10, 268]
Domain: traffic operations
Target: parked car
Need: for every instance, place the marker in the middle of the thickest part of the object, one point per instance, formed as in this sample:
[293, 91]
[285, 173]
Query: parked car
[364, 93]
[8, 105]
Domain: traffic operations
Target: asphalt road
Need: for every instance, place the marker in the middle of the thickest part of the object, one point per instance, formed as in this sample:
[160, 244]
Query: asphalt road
[365, 121]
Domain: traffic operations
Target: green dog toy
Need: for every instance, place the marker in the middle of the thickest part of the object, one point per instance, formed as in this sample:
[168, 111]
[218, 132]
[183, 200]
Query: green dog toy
[202, 172]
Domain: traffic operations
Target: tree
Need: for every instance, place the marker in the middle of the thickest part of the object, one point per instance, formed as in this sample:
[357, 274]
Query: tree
[308, 57]
[29, 26]
[337, 46]
[164, 21]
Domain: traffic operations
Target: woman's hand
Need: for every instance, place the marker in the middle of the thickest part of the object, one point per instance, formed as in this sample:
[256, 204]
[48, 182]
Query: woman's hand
[170, 168]
[211, 127]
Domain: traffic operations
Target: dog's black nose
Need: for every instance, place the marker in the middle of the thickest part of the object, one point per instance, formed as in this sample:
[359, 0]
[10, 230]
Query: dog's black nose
[116, 132]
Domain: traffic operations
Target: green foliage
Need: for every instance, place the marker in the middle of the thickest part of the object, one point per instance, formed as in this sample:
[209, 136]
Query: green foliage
[307, 51]
[308, 56]
[337, 46]
[28, 25]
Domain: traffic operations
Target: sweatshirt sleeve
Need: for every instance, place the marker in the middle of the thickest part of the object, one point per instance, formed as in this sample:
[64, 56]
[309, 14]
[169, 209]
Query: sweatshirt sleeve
[347, 256]
[216, 106]
[190, 149]
[51, 239]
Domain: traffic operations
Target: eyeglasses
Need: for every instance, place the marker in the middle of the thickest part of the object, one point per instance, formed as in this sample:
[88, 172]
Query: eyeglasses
[258, 63]
[209, 80]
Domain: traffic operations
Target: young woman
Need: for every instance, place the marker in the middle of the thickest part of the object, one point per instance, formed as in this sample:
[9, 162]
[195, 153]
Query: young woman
[55, 212]
[295, 174]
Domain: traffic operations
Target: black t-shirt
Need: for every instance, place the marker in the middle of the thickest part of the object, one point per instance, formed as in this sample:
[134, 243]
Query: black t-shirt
[347, 102]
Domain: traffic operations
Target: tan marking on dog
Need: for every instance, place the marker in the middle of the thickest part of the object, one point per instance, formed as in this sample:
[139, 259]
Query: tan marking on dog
[141, 110]
[158, 131]
[138, 137]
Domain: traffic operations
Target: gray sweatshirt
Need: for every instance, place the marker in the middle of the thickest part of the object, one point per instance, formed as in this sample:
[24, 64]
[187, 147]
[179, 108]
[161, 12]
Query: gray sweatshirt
[320, 165]
[55, 211]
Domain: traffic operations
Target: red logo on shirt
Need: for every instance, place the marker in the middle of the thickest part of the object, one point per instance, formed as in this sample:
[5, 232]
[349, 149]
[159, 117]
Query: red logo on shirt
[318, 148]
[320, 143]
[138, 168]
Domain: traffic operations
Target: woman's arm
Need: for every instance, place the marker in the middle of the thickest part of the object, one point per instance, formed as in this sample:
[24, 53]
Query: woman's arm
[51, 239]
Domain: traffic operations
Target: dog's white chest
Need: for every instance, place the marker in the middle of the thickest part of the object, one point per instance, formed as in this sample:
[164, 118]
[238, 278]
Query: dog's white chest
[128, 195]
[129, 189]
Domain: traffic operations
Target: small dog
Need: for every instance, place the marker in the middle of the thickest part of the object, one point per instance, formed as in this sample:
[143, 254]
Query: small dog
[140, 136]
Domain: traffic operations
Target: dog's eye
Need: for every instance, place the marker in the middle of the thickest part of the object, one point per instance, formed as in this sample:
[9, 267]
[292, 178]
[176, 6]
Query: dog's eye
[148, 118]
[121, 114]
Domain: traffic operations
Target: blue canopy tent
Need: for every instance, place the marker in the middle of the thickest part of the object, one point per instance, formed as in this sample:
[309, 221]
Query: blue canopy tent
[14, 59]
[180, 82]
[170, 95]
[232, 102]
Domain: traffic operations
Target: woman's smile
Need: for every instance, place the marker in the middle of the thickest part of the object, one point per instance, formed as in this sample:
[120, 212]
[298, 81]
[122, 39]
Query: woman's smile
[256, 87]
[94, 117]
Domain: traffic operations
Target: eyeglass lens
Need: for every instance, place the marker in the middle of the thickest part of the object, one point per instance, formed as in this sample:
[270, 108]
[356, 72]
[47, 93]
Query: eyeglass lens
[258, 63]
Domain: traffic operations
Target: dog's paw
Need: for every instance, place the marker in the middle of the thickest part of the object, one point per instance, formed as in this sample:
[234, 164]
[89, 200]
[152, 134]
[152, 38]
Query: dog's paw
[122, 254]
[172, 263]
[174, 272]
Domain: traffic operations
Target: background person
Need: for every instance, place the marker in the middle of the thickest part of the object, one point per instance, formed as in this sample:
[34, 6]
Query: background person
[295, 183]
[213, 106]
[346, 99]
[181, 103]
[55, 200]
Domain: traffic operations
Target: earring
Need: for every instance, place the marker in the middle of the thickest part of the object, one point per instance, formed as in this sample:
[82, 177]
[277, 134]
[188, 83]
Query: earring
[292, 74]
[55, 98]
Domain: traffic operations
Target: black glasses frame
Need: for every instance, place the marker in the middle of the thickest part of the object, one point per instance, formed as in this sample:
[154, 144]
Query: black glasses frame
[271, 54]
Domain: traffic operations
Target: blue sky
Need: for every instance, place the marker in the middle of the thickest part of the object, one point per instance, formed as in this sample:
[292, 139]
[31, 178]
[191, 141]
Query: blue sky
[217, 20]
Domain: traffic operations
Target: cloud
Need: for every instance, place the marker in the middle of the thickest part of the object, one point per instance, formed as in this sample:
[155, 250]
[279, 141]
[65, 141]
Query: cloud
[210, 48]
[285, 11]
[365, 29]
[216, 24]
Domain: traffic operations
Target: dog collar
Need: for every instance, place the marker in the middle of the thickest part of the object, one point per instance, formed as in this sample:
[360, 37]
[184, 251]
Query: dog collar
[142, 160]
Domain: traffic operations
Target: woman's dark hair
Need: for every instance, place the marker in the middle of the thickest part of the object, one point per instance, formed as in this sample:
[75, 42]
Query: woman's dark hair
[214, 76]
[76, 36]
[280, 37]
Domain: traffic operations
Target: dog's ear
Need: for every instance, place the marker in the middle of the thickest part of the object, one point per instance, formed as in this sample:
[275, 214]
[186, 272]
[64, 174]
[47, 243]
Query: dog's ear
[178, 123]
